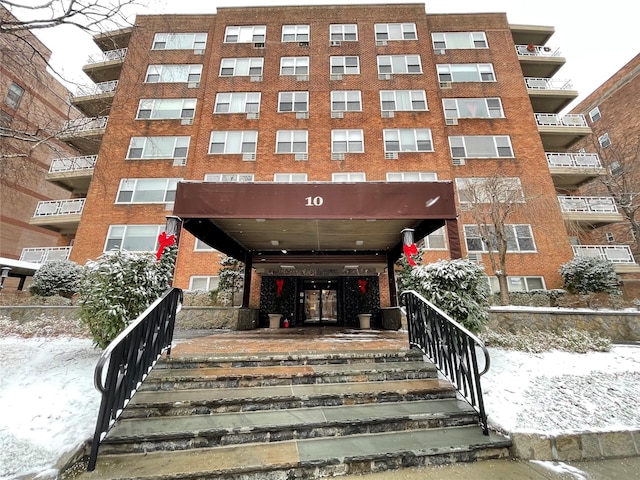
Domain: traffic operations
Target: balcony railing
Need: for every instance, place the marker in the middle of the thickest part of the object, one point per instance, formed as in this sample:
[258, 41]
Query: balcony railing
[73, 164]
[587, 204]
[59, 207]
[547, 84]
[85, 124]
[45, 254]
[537, 51]
[108, 56]
[573, 160]
[96, 89]
[619, 254]
[554, 120]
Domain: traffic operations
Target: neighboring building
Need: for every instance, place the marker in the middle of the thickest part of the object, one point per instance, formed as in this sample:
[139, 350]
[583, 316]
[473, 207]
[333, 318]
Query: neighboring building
[304, 140]
[33, 109]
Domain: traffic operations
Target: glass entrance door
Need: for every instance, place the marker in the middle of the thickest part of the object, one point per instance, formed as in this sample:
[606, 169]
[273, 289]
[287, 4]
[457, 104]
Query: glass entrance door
[321, 307]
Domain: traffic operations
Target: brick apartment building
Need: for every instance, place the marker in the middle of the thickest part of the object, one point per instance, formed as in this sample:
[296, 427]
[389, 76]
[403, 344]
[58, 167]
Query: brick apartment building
[304, 140]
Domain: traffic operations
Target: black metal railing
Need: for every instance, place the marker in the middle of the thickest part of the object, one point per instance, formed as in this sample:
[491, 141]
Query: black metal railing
[450, 346]
[129, 358]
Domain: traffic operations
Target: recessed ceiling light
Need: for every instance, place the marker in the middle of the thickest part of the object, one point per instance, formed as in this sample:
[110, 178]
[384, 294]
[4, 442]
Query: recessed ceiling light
[359, 242]
[275, 243]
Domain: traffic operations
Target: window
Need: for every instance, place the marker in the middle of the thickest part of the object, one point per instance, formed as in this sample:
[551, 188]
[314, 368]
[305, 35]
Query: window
[200, 246]
[604, 140]
[173, 73]
[481, 146]
[346, 101]
[472, 108]
[296, 33]
[293, 102]
[203, 283]
[435, 240]
[407, 140]
[517, 284]
[412, 177]
[133, 238]
[179, 41]
[610, 237]
[488, 190]
[166, 108]
[466, 72]
[595, 115]
[237, 102]
[347, 141]
[147, 190]
[290, 177]
[459, 40]
[519, 238]
[396, 31]
[399, 64]
[14, 95]
[150, 148]
[294, 66]
[344, 33]
[291, 141]
[241, 67]
[229, 177]
[233, 142]
[345, 65]
[247, 34]
[403, 100]
[345, 177]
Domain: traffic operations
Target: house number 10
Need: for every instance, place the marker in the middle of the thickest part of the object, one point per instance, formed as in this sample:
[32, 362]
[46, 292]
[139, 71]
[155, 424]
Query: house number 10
[313, 201]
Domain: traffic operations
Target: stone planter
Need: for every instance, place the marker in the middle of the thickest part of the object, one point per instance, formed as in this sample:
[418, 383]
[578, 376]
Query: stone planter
[274, 320]
[365, 321]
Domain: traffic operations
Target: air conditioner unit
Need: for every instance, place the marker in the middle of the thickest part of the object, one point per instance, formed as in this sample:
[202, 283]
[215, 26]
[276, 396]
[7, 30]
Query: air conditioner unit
[335, 43]
[255, 78]
[249, 156]
[458, 161]
[337, 156]
[303, 44]
[198, 51]
[302, 78]
[465, 207]
[335, 76]
[302, 156]
[302, 115]
[474, 257]
[186, 121]
[384, 76]
[445, 85]
[390, 155]
[337, 114]
[168, 207]
[179, 162]
[193, 85]
[440, 51]
[253, 116]
[381, 43]
[258, 45]
[387, 114]
[451, 121]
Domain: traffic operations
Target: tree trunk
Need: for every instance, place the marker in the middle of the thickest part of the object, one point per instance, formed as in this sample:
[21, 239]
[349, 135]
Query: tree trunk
[504, 289]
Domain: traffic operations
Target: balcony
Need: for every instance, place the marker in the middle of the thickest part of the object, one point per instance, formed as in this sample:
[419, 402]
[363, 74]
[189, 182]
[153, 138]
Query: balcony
[105, 67]
[560, 132]
[619, 255]
[95, 100]
[539, 61]
[85, 134]
[589, 212]
[570, 170]
[73, 173]
[45, 254]
[526, 34]
[61, 216]
[114, 39]
[549, 95]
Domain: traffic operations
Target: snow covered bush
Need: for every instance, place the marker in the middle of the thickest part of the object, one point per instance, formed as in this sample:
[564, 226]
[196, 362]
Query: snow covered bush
[56, 278]
[589, 274]
[457, 287]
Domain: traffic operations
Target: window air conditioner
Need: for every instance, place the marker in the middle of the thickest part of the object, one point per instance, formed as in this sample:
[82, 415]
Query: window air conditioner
[179, 162]
[451, 121]
[335, 43]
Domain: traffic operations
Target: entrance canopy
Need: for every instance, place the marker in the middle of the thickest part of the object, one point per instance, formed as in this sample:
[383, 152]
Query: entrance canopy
[312, 223]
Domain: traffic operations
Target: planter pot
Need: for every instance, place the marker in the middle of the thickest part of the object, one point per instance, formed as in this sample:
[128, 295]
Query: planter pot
[365, 321]
[274, 320]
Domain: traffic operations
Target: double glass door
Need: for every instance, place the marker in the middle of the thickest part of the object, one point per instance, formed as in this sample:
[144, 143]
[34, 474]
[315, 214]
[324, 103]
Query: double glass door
[320, 306]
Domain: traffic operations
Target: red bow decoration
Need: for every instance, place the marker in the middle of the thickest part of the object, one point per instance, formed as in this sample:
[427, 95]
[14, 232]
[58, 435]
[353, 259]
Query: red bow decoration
[164, 241]
[279, 285]
[362, 285]
[411, 250]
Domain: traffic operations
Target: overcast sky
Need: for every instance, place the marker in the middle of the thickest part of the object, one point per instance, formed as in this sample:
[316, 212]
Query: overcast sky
[597, 38]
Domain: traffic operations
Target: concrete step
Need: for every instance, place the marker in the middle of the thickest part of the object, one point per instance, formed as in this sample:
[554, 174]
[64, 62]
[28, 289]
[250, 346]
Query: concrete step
[201, 431]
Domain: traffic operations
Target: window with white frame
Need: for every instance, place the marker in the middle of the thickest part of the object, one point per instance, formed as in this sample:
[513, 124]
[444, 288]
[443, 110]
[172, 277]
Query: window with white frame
[296, 33]
[412, 177]
[488, 190]
[481, 146]
[147, 190]
[294, 66]
[604, 140]
[14, 94]
[407, 140]
[173, 73]
[459, 40]
[595, 115]
[396, 31]
[179, 41]
[233, 142]
[237, 102]
[347, 141]
[517, 284]
[347, 32]
[241, 67]
[293, 102]
[435, 240]
[403, 100]
[346, 101]
[472, 108]
[166, 108]
[203, 283]
[399, 64]
[200, 246]
[466, 72]
[133, 238]
[348, 177]
[151, 148]
[245, 34]
[345, 65]
[519, 238]
[610, 237]
[229, 177]
[290, 177]
[291, 141]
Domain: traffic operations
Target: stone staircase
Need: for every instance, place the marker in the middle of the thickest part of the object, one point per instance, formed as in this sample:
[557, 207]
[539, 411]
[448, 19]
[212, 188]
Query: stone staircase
[283, 416]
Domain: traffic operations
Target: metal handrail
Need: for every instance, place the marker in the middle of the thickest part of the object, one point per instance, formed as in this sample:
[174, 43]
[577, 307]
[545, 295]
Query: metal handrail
[129, 358]
[451, 348]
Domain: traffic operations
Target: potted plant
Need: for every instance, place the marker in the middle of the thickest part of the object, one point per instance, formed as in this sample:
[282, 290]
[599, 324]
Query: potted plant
[364, 317]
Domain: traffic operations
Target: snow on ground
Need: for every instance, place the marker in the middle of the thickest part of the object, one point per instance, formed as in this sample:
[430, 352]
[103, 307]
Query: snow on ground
[48, 404]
